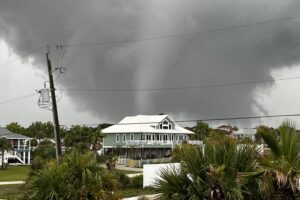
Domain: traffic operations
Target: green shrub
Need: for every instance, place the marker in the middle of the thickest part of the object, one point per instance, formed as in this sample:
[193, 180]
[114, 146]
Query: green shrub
[102, 158]
[45, 151]
[77, 176]
[137, 181]
[37, 165]
[123, 179]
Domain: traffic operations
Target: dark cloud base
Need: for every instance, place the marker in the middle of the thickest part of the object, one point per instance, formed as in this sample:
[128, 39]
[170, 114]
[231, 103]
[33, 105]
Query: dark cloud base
[245, 54]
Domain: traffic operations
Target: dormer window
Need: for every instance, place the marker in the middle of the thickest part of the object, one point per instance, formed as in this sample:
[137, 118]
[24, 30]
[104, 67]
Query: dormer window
[165, 125]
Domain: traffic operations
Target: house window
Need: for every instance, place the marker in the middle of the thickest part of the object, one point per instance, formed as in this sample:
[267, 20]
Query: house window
[180, 137]
[148, 137]
[165, 125]
[131, 137]
[124, 137]
[117, 138]
[172, 137]
[165, 137]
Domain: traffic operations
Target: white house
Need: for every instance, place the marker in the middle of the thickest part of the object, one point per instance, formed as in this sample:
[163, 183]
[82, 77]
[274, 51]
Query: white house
[20, 147]
[145, 136]
[244, 133]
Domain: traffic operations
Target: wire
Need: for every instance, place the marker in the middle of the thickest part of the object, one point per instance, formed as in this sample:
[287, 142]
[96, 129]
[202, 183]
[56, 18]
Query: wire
[179, 88]
[27, 54]
[17, 99]
[183, 34]
[205, 119]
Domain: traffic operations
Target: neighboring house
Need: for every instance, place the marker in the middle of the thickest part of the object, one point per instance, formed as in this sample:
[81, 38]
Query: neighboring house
[20, 147]
[244, 133]
[144, 136]
[226, 129]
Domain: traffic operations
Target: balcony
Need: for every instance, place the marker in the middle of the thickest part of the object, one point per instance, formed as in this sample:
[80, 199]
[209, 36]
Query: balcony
[21, 148]
[143, 143]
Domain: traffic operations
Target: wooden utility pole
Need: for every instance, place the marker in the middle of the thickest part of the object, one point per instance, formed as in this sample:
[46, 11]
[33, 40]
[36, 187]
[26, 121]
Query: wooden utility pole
[54, 110]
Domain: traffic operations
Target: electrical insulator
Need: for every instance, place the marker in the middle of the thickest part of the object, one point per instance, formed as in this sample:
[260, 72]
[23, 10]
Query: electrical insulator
[45, 96]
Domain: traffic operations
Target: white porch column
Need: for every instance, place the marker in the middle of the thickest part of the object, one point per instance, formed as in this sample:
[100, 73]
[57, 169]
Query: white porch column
[29, 151]
[18, 145]
[24, 151]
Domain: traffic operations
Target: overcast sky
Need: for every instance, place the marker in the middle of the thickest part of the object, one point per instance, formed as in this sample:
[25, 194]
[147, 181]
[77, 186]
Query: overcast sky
[253, 53]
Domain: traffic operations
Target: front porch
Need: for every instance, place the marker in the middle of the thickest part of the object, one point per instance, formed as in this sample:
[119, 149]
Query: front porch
[20, 149]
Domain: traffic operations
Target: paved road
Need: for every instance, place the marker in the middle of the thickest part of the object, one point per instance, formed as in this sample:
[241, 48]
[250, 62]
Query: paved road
[123, 167]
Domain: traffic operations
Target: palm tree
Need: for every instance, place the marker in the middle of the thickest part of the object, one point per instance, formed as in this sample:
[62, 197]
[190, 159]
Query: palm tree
[278, 172]
[4, 145]
[210, 173]
[95, 137]
[77, 177]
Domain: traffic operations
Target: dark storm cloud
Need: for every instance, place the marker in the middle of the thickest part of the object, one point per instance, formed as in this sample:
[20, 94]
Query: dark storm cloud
[244, 54]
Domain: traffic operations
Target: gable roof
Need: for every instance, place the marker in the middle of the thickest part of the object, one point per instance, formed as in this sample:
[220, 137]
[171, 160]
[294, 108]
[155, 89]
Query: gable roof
[4, 133]
[144, 124]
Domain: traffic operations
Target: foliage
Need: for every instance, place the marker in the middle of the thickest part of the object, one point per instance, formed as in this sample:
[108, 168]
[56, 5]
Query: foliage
[82, 137]
[215, 171]
[34, 142]
[4, 146]
[15, 128]
[126, 182]
[201, 131]
[278, 172]
[137, 181]
[102, 158]
[45, 150]
[177, 152]
[78, 176]
[37, 165]
[133, 192]
[122, 179]
[40, 130]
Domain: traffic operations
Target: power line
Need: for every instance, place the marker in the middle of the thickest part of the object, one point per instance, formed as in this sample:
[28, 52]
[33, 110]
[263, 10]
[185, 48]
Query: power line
[17, 99]
[183, 34]
[27, 54]
[179, 88]
[205, 119]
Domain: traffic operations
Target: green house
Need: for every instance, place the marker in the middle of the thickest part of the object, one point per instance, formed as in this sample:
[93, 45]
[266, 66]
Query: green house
[144, 136]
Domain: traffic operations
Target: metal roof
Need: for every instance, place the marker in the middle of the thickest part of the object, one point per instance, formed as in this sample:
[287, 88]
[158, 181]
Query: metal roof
[145, 124]
[4, 133]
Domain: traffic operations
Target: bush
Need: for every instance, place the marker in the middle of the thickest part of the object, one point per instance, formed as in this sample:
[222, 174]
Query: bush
[37, 164]
[123, 179]
[137, 181]
[78, 176]
[45, 151]
[102, 158]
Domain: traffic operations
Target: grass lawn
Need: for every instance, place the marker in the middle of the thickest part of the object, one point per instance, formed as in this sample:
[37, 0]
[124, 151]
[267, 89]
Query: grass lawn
[14, 173]
[132, 192]
[10, 191]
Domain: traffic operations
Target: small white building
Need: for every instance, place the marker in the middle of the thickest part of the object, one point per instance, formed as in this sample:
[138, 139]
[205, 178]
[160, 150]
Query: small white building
[20, 151]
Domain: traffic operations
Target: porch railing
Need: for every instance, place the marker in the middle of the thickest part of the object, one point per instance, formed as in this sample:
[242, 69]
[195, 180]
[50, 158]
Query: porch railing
[160, 142]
